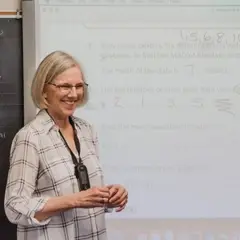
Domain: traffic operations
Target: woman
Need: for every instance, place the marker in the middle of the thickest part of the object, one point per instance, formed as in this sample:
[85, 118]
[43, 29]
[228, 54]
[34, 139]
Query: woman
[55, 188]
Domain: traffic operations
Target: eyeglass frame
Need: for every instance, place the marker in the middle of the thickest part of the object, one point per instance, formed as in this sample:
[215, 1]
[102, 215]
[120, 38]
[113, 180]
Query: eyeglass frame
[70, 86]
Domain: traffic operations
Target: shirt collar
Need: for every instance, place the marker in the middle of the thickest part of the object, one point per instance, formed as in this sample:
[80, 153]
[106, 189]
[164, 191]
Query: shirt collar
[48, 122]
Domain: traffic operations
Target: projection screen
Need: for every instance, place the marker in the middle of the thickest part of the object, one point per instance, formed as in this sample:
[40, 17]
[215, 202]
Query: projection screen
[164, 83]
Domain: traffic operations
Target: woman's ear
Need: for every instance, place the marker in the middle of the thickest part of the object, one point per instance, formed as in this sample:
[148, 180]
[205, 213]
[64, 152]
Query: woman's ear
[44, 92]
[45, 95]
[45, 99]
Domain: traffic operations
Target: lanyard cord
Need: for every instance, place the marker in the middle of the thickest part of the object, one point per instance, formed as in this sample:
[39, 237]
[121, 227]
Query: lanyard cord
[77, 144]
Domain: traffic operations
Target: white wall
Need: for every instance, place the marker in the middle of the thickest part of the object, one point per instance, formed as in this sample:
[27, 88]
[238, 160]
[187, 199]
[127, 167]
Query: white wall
[9, 5]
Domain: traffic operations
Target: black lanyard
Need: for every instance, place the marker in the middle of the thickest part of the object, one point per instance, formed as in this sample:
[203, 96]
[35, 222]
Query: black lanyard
[77, 144]
[81, 171]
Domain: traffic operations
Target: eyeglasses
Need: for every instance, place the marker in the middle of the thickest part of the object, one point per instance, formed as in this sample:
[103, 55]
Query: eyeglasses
[67, 88]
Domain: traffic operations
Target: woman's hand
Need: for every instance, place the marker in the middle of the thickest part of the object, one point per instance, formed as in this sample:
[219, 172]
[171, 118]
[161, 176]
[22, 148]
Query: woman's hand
[93, 197]
[118, 197]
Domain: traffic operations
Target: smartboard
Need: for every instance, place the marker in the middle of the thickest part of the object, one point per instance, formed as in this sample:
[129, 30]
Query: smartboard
[164, 97]
[11, 104]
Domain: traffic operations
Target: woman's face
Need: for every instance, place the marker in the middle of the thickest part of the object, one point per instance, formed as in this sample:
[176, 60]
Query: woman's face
[65, 92]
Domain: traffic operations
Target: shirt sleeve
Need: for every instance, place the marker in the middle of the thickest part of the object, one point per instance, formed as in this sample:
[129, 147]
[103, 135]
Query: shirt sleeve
[20, 203]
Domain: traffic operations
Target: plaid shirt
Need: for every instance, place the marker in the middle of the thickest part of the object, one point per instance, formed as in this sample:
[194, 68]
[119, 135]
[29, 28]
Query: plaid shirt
[41, 167]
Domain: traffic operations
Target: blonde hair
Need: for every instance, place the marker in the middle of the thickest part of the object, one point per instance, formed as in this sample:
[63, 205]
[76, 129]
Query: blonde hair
[50, 67]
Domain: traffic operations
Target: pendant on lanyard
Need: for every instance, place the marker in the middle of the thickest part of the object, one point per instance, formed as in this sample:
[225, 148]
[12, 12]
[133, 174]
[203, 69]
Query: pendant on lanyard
[81, 173]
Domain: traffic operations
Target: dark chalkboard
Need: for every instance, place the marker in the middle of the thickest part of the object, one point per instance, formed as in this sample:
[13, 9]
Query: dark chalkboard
[11, 104]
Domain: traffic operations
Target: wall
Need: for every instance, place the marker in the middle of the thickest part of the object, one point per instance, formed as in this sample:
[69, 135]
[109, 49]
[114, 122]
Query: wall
[9, 5]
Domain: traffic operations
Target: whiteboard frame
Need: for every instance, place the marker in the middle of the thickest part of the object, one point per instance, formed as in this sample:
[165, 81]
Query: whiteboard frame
[30, 54]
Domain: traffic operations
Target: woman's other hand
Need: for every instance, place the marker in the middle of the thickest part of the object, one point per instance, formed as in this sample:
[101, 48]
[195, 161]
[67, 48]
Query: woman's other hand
[118, 197]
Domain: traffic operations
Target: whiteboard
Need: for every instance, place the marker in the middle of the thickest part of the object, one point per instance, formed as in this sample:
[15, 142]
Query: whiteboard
[164, 97]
